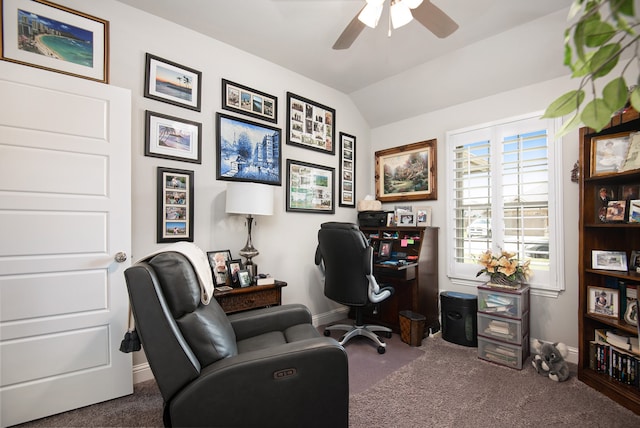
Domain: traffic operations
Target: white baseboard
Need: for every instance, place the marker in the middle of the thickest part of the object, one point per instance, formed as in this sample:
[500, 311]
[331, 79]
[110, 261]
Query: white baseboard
[331, 316]
[141, 373]
[573, 352]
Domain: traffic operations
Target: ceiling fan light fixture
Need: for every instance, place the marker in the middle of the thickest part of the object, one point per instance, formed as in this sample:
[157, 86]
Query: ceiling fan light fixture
[371, 13]
[400, 14]
[412, 4]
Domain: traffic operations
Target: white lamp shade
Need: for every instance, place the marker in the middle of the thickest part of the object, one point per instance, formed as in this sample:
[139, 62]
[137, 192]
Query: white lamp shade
[249, 198]
[400, 14]
[371, 13]
[412, 4]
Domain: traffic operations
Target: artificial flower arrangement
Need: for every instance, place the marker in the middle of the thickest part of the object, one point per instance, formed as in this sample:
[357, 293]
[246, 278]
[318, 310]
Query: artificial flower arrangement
[504, 269]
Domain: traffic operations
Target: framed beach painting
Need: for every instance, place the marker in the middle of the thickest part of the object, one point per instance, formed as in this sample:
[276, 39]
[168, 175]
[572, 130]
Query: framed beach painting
[52, 37]
[172, 138]
[172, 83]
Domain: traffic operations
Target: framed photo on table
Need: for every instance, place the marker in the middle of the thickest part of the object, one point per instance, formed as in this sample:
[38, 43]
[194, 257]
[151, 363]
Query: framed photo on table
[310, 125]
[175, 205]
[218, 262]
[67, 41]
[169, 137]
[603, 301]
[407, 173]
[347, 170]
[172, 83]
[233, 268]
[251, 102]
[310, 188]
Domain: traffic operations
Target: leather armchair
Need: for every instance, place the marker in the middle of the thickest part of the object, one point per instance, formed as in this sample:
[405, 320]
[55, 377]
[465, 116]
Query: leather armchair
[261, 368]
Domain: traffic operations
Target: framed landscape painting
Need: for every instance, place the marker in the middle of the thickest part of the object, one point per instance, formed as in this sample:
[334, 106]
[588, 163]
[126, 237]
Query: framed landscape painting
[172, 83]
[169, 137]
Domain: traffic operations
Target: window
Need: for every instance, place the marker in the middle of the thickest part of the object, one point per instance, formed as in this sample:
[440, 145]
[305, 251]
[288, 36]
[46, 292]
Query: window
[502, 194]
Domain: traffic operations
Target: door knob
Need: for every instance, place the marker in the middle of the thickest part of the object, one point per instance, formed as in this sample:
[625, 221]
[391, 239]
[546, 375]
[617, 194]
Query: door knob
[121, 257]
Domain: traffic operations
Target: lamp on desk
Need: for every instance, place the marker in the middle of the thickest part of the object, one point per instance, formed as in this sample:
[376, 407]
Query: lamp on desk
[249, 199]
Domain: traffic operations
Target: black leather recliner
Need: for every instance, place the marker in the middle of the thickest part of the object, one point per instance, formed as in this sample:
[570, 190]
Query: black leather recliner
[347, 259]
[261, 368]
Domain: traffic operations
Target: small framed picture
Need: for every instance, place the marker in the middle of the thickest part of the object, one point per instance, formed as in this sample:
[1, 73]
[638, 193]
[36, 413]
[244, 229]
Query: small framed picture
[172, 83]
[248, 101]
[604, 301]
[244, 278]
[604, 194]
[175, 205]
[172, 138]
[423, 216]
[616, 211]
[634, 211]
[384, 252]
[629, 191]
[406, 219]
[609, 260]
[634, 262]
[233, 267]
[608, 153]
[218, 262]
[391, 219]
[347, 162]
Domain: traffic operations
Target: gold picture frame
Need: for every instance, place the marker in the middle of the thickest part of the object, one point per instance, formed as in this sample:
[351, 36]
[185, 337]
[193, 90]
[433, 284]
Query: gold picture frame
[608, 153]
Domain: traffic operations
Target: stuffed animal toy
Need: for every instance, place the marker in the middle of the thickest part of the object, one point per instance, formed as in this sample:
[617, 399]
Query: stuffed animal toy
[550, 360]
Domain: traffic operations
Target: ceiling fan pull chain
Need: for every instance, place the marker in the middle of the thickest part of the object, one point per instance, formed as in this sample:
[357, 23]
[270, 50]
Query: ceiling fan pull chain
[389, 20]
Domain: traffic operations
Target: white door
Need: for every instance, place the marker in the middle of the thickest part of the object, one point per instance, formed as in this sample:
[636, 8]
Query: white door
[64, 214]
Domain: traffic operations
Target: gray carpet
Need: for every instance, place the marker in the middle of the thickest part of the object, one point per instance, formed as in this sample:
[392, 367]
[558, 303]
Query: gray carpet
[438, 384]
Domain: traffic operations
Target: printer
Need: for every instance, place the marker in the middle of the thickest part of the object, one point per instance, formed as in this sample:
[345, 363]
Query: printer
[373, 218]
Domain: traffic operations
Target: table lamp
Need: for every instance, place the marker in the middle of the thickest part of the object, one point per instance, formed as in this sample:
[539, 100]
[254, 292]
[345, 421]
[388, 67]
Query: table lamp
[249, 199]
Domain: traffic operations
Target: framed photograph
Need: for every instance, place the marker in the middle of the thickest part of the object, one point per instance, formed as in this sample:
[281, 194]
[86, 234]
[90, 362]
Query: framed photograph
[629, 191]
[632, 158]
[310, 188]
[172, 83]
[169, 137]
[175, 205]
[233, 268]
[604, 195]
[247, 151]
[218, 262]
[310, 125]
[423, 216]
[384, 252]
[391, 219]
[347, 170]
[407, 173]
[46, 35]
[609, 260]
[244, 278]
[608, 153]
[634, 211]
[251, 102]
[604, 301]
[616, 211]
[634, 261]
[406, 219]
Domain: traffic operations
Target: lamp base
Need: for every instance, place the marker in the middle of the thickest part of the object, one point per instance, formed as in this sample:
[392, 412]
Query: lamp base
[252, 268]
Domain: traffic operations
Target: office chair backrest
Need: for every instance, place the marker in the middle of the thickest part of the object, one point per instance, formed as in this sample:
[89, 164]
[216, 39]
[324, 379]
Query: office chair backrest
[347, 260]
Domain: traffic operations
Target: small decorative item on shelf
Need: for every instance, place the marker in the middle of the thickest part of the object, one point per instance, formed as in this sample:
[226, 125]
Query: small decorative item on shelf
[504, 270]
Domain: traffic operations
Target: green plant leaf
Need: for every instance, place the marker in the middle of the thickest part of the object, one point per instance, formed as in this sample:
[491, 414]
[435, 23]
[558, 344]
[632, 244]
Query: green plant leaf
[635, 98]
[597, 33]
[596, 114]
[564, 104]
[615, 94]
[582, 67]
[604, 60]
[622, 6]
[569, 126]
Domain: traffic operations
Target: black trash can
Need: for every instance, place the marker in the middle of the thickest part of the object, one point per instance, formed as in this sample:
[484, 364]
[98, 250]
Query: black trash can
[459, 318]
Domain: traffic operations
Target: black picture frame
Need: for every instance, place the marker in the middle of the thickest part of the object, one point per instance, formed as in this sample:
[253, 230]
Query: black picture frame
[244, 278]
[174, 205]
[233, 267]
[247, 151]
[347, 180]
[159, 76]
[248, 101]
[310, 125]
[310, 188]
[169, 137]
[218, 259]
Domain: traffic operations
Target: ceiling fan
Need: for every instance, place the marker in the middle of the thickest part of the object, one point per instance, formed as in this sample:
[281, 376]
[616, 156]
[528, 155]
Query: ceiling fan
[401, 12]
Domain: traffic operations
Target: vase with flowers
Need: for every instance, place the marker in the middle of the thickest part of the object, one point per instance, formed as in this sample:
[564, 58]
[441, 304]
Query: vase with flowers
[504, 269]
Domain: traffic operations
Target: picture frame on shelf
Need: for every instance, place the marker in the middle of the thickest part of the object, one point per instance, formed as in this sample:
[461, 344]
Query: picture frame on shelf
[629, 191]
[603, 301]
[347, 170]
[310, 188]
[608, 153]
[310, 125]
[248, 101]
[244, 278]
[384, 251]
[634, 261]
[407, 219]
[616, 211]
[169, 137]
[50, 51]
[609, 260]
[172, 83]
[218, 261]
[391, 178]
[175, 205]
[604, 194]
[632, 158]
[423, 216]
[233, 267]
[634, 211]
[247, 151]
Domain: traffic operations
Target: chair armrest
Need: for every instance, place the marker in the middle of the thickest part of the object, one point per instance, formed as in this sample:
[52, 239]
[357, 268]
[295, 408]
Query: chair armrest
[276, 318]
[297, 384]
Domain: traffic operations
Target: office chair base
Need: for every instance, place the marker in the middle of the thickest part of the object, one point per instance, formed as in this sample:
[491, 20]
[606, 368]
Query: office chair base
[363, 330]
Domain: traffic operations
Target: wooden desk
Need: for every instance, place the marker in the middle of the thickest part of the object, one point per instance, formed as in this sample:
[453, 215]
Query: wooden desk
[252, 297]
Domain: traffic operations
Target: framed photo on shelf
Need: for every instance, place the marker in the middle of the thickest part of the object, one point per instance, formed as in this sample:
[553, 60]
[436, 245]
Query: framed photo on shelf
[310, 125]
[604, 301]
[251, 102]
[632, 159]
[604, 194]
[310, 188]
[218, 262]
[634, 211]
[609, 260]
[407, 173]
[608, 153]
[244, 278]
[406, 219]
[169, 137]
[172, 83]
[616, 211]
[347, 170]
[384, 251]
[423, 216]
[67, 41]
[175, 205]
[629, 191]
[247, 151]
[634, 261]
[233, 268]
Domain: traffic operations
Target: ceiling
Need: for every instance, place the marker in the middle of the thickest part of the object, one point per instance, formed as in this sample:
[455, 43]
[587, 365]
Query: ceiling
[299, 34]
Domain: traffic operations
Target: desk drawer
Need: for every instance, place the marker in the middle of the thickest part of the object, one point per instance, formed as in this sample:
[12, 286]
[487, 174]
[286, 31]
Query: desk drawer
[242, 302]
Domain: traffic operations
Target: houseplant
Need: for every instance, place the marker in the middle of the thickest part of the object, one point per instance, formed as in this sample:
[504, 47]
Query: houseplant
[504, 269]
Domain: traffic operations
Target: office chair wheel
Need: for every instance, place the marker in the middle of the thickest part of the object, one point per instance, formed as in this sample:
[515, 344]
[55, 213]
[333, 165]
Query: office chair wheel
[327, 333]
[381, 349]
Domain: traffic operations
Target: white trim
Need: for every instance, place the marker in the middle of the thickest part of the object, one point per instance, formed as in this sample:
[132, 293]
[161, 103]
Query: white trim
[331, 316]
[141, 373]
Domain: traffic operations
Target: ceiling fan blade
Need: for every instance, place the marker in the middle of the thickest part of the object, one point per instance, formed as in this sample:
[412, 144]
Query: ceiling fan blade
[434, 19]
[350, 33]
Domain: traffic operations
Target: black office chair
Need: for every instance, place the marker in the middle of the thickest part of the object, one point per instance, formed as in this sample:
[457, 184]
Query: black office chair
[347, 259]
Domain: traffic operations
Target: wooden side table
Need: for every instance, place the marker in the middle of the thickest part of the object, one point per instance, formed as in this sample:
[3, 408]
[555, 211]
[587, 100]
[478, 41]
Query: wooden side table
[252, 297]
